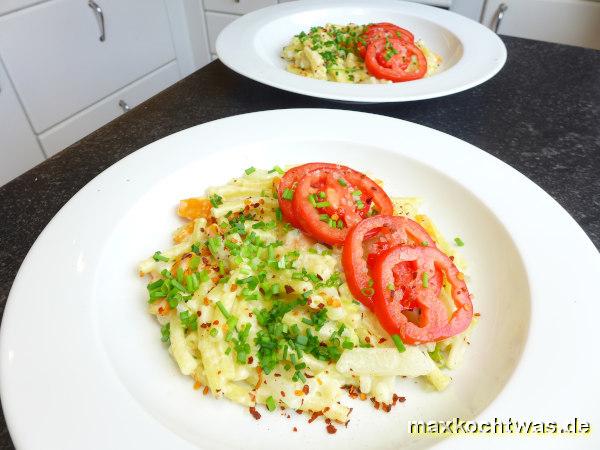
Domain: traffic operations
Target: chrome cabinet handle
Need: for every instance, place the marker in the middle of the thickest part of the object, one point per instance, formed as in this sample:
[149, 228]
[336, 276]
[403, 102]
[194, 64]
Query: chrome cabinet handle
[124, 106]
[499, 16]
[100, 16]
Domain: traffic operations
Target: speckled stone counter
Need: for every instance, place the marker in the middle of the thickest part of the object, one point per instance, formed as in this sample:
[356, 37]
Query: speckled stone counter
[540, 114]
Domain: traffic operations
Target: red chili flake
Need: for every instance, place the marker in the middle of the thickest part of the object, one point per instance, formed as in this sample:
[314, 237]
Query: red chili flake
[367, 339]
[254, 412]
[321, 305]
[233, 287]
[387, 408]
[331, 429]
[401, 399]
[276, 374]
[375, 403]
[216, 322]
[327, 421]
[256, 205]
[299, 411]
[308, 376]
[314, 416]
[305, 389]
[282, 394]
[294, 429]
[452, 258]
[205, 391]
[250, 359]
[205, 261]
[477, 314]
[381, 341]
[199, 313]
[288, 289]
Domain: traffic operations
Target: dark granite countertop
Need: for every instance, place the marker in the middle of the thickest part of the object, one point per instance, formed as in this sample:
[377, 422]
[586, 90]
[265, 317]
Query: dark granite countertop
[540, 114]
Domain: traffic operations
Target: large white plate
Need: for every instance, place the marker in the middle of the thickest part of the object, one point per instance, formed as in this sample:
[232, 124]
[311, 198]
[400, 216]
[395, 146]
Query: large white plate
[471, 53]
[82, 365]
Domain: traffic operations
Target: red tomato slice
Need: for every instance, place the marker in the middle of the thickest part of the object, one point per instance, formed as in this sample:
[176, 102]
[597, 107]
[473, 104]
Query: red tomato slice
[373, 236]
[395, 68]
[382, 30]
[290, 180]
[327, 202]
[432, 320]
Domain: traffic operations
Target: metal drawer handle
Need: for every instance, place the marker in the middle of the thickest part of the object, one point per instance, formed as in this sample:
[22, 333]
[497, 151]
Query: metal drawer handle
[100, 16]
[499, 16]
[124, 106]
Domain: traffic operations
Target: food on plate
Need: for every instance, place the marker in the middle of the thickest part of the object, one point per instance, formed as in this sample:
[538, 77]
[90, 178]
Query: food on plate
[286, 288]
[374, 53]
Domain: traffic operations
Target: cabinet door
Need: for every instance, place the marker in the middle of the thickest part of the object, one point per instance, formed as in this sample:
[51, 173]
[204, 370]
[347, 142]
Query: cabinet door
[573, 22]
[237, 7]
[53, 53]
[19, 148]
[215, 22]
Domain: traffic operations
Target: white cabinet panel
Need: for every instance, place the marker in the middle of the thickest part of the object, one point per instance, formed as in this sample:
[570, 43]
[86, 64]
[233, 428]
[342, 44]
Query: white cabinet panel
[83, 123]
[215, 22]
[19, 148]
[574, 22]
[13, 5]
[239, 7]
[65, 66]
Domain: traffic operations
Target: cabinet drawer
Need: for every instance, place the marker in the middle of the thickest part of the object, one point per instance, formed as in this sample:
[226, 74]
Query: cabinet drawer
[19, 149]
[239, 7]
[215, 22]
[573, 22]
[83, 123]
[53, 53]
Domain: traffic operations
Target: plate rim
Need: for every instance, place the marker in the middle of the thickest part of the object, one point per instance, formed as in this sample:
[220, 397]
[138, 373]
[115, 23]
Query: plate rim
[231, 55]
[18, 288]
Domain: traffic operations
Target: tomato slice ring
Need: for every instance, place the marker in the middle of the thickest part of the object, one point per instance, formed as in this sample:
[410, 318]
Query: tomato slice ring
[371, 237]
[382, 30]
[396, 68]
[327, 202]
[290, 180]
[434, 322]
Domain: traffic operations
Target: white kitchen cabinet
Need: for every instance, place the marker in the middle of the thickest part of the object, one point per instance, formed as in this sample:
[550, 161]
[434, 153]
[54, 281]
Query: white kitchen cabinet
[83, 123]
[61, 81]
[215, 22]
[573, 22]
[65, 66]
[20, 149]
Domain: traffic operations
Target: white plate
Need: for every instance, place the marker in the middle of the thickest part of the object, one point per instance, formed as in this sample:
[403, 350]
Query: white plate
[471, 53]
[82, 365]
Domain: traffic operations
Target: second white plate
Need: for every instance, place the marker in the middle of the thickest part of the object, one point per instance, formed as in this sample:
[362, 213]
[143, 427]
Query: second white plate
[471, 53]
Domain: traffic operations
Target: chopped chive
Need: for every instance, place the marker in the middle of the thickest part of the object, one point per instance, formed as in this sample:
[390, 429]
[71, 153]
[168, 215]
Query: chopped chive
[250, 170]
[322, 204]
[277, 169]
[159, 257]
[324, 218]
[348, 345]
[196, 247]
[312, 198]
[390, 286]
[194, 262]
[228, 351]
[213, 332]
[398, 342]
[425, 279]
[288, 194]
[368, 291]
[340, 224]
[424, 243]
[271, 405]
[360, 204]
[216, 200]
[322, 194]
[342, 182]
[223, 310]
[356, 193]
[459, 241]
[278, 214]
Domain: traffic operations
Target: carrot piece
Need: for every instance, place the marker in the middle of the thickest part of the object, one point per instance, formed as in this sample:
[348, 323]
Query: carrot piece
[183, 232]
[194, 208]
